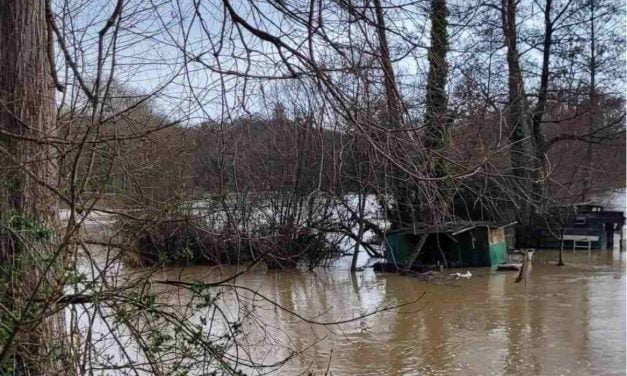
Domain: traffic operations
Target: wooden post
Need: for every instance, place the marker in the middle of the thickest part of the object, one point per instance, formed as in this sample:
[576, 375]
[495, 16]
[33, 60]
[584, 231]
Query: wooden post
[415, 253]
[522, 273]
[561, 261]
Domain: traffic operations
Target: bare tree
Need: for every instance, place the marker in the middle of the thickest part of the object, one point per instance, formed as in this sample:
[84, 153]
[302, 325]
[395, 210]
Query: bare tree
[264, 132]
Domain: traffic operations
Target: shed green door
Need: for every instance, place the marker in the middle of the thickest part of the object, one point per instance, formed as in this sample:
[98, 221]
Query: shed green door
[498, 246]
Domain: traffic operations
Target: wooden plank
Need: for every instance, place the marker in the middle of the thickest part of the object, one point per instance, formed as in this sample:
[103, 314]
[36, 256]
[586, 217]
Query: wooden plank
[415, 253]
[463, 230]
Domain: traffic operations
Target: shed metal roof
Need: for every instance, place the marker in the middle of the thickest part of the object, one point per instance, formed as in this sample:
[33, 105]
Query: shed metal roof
[451, 228]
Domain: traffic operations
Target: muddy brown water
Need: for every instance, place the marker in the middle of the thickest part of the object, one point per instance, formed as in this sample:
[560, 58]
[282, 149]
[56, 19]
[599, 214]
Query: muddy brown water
[566, 320]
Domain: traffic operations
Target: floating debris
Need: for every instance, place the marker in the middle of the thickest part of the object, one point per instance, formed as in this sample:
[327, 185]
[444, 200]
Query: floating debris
[466, 275]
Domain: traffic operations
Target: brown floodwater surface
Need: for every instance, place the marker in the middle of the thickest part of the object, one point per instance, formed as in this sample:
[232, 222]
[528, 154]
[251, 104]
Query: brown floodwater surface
[566, 320]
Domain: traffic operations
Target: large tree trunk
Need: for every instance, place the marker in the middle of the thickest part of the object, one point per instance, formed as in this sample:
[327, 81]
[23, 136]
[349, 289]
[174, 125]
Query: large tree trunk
[519, 119]
[539, 142]
[28, 108]
[437, 99]
[402, 211]
[593, 113]
[436, 107]
[27, 113]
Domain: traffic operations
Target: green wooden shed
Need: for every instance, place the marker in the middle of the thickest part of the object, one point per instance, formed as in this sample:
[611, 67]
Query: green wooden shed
[456, 244]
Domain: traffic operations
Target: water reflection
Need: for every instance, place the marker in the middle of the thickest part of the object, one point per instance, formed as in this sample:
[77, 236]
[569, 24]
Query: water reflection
[568, 320]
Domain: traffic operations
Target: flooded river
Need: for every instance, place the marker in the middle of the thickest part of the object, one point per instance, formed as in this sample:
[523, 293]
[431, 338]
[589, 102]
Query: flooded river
[561, 321]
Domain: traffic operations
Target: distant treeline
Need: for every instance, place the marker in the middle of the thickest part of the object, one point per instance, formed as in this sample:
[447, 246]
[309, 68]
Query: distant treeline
[278, 153]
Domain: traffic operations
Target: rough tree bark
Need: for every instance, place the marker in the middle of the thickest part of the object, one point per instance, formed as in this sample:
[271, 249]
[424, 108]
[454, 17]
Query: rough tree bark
[520, 122]
[436, 121]
[27, 108]
[593, 113]
[402, 213]
[518, 114]
[27, 112]
[540, 185]
[437, 99]
[389, 81]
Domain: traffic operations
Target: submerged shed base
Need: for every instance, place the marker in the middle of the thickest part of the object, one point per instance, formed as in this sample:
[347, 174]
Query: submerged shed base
[509, 267]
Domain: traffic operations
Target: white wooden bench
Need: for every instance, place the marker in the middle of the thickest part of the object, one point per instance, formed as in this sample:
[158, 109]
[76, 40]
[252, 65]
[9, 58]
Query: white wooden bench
[580, 241]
